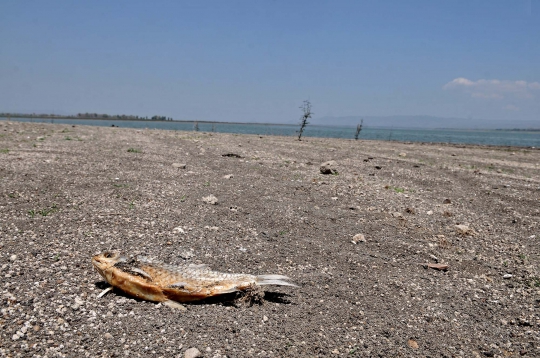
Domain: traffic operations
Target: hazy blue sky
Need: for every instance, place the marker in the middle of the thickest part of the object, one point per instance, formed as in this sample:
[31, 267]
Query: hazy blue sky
[257, 60]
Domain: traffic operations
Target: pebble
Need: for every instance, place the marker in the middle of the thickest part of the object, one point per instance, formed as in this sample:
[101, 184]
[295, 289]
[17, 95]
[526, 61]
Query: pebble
[358, 238]
[179, 165]
[210, 199]
[328, 167]
[402, 154]
[507, 276]
[228, 176]
[265, 318]
[430, 212]
[463, 229]
[192, 353]
[108, 335]
[179, 230]
[13, 257]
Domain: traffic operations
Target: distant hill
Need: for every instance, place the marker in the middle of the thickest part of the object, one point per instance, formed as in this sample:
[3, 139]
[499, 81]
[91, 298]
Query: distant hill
[426, 122]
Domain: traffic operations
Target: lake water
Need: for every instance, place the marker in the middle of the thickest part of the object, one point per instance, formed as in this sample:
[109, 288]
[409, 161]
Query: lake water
[490, 137]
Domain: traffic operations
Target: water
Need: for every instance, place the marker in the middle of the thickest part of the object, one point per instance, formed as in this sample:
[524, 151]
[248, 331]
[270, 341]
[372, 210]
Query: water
[488, 137]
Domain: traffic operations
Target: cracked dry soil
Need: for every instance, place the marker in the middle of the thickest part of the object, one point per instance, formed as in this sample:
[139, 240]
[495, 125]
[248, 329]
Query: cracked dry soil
[70, 192]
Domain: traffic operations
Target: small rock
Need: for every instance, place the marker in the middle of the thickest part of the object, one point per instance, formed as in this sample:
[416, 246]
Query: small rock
[179, 165]
[265, 318]
[447, 201]
[179, 230]
[412, 343]
[334, 198]
[430, 212]
[507, 276]
[328, 167]
[464, 229]
[210, 199]
[402, 154]
[358, 238]
[397, 215]
[228, 176]
[192, 353]
[108, 335]
[13, 257]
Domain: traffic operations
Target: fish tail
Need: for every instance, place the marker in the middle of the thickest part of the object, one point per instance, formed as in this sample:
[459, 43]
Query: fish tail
[278, 280]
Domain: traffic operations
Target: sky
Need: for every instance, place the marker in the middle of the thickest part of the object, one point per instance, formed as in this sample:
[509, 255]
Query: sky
[256, 61]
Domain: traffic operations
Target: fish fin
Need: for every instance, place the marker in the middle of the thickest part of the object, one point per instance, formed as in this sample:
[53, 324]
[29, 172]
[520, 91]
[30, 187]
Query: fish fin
[229, 290]
[278, 280]
[104, 292]
[175, 305]
[141, 272]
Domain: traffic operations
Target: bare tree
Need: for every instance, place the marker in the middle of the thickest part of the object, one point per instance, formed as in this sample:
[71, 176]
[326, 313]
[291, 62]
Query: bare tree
[196, 126]
[306, 108]
[358, 129]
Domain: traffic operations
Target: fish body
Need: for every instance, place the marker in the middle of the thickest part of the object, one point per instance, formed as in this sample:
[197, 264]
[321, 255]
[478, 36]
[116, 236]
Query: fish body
[159, 282]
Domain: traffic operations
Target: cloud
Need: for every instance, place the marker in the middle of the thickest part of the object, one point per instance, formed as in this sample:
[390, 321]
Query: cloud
[493, 89]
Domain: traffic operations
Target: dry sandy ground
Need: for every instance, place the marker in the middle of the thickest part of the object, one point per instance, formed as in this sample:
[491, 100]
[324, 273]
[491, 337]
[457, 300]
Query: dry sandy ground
[69, 192]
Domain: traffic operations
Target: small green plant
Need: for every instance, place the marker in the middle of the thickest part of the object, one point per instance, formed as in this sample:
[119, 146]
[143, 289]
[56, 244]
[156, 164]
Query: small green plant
[183, 198]
[132, 205]
[283, 232]
[399, 190]
[56, 257]
[67, 138]
[207, 183]
[65, 130]
[116, 185]
[31, 213]
[134, 150]
[4, 151]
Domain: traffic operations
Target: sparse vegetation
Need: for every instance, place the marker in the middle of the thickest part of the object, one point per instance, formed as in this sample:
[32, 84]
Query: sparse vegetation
[4, 151]
[134, 150]
[306, 108]
[358, 129]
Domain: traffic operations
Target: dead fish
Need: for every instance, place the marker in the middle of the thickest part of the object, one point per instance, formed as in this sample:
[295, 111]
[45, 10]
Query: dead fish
[159, 282]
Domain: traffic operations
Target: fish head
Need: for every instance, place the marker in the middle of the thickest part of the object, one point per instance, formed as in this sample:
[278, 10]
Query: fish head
[104, 261]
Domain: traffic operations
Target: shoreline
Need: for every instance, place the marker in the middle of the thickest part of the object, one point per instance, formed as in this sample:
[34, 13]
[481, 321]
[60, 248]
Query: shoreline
[448, 136]
[276, 124]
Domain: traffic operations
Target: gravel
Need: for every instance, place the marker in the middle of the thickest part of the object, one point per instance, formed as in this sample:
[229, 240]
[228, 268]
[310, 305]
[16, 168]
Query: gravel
[68, 192]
